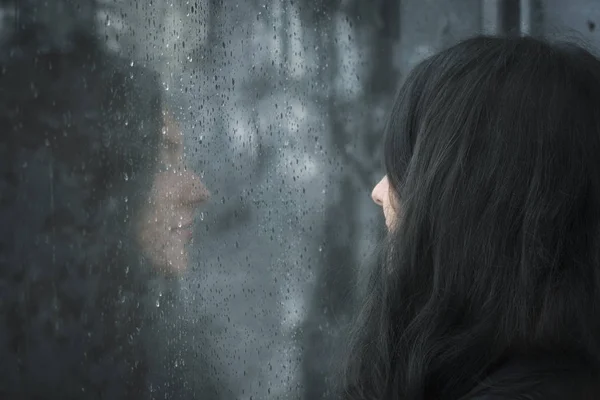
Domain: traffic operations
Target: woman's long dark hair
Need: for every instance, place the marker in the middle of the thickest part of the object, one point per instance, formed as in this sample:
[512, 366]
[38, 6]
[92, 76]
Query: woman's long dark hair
[78, 145]
[493, 153]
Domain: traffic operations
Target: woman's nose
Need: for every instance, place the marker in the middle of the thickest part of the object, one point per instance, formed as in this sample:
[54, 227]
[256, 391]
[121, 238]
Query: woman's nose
[377, 193]
[194, 192]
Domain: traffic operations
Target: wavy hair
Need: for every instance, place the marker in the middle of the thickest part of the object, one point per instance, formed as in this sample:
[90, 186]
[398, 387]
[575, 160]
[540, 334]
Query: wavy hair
[492, 150]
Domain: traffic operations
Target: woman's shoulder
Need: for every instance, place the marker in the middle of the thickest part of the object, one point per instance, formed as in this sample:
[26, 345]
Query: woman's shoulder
[540, 378]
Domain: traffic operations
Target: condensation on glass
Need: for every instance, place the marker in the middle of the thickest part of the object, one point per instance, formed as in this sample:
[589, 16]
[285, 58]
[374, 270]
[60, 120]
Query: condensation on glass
[253, 214]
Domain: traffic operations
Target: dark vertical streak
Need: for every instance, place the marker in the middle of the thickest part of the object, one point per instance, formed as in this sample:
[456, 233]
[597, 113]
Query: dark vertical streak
[510, 17]
[335, 277]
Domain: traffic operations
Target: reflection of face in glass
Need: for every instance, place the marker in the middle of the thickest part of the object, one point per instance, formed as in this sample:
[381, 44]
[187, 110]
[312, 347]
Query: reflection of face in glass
[167, 222]
[383, 196]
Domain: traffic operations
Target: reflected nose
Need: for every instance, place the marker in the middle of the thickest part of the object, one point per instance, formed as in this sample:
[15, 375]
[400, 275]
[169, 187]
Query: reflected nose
[377, 193]
[194, 192]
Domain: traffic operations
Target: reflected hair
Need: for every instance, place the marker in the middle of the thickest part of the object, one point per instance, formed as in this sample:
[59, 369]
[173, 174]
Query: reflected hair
[492, 151]
[80, 133]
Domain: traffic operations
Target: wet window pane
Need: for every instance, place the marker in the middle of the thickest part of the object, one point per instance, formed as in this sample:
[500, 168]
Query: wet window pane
[185, 204]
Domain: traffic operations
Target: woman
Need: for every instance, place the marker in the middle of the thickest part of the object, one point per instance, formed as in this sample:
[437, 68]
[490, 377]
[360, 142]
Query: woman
[81, 202]
[489, 284]
[179, 359]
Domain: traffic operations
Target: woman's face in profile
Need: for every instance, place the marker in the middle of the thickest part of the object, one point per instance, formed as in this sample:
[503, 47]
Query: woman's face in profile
[384, 197]
[168, 219]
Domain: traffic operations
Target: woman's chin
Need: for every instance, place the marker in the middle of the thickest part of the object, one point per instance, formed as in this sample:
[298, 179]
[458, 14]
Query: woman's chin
[172, 262]
[169, 255]
[178, 260]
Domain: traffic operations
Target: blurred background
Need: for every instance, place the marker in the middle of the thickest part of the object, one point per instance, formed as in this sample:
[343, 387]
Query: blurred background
[283, 104]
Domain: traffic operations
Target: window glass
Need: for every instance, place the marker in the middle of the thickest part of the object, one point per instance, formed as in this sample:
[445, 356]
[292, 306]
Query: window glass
[185, 204]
